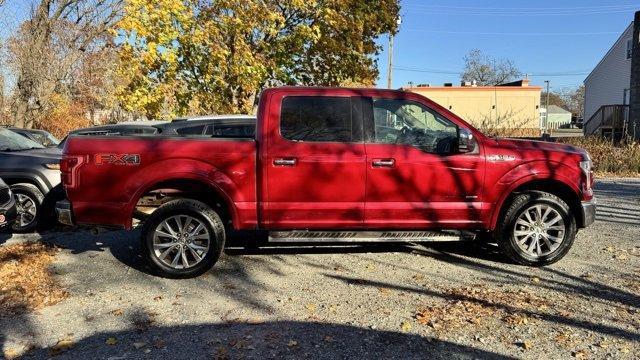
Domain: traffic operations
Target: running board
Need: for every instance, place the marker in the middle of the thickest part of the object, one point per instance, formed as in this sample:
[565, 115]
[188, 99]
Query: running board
[366, 236]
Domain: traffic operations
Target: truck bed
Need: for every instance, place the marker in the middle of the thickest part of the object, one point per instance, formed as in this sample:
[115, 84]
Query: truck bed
[121, 169]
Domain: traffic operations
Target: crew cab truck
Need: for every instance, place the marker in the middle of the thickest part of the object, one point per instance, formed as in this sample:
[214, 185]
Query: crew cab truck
[332, 164]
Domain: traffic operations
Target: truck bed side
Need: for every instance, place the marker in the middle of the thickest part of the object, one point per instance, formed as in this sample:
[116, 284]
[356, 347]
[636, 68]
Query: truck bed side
[123, 169]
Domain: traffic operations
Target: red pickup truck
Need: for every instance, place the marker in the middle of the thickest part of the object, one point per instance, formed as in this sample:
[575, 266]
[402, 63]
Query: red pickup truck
[331, 164]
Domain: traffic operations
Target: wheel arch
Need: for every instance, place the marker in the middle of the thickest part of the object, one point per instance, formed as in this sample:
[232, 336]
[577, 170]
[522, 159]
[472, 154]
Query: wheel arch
[191, 187]
[553, 186]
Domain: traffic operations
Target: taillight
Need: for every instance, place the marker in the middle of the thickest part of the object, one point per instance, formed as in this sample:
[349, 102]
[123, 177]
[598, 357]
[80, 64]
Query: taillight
[69, 166]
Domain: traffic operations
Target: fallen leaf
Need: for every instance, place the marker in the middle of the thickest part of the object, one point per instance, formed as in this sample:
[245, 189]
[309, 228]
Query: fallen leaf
[157, 298]
[527, 345]
[117, 312]
[111, 341]
[11, 354]
[159, 344]
[405, 326]
[139, 345]
[312, 307]
[328, 339]
[580, 354]
[384, 291]
[62, 346]
[292, 343]
[535, 279]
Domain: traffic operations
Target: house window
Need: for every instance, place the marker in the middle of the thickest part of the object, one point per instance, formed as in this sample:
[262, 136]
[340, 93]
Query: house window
[629, 49]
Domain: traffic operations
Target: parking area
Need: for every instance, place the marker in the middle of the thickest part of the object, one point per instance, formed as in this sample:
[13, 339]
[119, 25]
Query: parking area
[445, 300]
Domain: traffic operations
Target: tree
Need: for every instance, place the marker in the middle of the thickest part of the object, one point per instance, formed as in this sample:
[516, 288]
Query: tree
[575, 101]
[48, 49]
[557, 99]
[488, 71]
[210, 56]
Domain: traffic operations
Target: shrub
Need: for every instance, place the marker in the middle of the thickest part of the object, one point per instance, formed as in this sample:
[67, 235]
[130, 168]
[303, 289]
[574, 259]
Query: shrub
[608, 159]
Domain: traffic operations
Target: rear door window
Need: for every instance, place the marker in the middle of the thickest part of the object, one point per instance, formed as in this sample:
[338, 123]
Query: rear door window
[316, 119]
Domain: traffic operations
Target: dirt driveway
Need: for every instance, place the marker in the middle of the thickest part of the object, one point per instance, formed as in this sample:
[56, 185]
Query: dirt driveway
[391, 301]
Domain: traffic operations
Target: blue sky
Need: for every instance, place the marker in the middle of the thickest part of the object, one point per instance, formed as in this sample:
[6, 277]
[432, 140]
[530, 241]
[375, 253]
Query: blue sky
[542, 37]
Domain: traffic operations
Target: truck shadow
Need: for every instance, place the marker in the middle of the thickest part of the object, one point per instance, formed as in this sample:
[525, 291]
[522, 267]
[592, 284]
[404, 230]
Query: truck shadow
[277, 339]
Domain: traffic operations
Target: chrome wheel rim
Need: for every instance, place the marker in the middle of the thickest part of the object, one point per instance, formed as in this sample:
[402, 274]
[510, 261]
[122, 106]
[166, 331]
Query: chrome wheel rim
[27, 210]
[539, 230]
[181, 242]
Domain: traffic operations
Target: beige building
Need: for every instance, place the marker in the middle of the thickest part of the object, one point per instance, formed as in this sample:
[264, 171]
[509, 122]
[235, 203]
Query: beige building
[512, 107]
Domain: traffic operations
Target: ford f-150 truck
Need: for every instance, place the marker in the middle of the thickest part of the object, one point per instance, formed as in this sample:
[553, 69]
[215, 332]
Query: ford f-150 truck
[332, 164]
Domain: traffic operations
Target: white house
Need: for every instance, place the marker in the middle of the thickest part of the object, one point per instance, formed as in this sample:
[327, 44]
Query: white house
[609, 82]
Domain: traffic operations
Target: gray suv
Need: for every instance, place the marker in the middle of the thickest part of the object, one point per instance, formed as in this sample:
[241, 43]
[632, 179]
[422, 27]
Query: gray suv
[33, 173]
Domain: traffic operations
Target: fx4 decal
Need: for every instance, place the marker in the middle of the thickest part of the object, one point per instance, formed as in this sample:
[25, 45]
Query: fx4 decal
[118, 159]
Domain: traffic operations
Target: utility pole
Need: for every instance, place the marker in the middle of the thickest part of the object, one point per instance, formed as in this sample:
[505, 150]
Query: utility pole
[390, 62]
[546, 113]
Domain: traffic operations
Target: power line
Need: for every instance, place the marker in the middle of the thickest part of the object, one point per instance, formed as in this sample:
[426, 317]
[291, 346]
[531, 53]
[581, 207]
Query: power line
[450, 72]
[520, 11]
[566, 8]
[512, 33]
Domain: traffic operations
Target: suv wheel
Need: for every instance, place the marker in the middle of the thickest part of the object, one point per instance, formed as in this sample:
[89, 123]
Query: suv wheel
[28, 203]
[183, 238]
[536, 229]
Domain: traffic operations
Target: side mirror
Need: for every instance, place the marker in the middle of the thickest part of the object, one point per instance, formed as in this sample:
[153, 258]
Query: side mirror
[466, 141]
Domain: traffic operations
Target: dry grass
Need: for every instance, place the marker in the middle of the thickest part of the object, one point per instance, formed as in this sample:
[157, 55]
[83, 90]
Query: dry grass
[609, 159]
[27, 281]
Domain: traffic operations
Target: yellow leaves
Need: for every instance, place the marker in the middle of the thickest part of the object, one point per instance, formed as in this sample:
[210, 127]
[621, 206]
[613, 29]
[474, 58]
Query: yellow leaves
[405, 326]
[62, 346]
[111, 341]
[195, 57]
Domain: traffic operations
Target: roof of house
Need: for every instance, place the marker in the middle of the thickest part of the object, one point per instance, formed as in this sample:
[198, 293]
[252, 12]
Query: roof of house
[555, 109]
[621, 38]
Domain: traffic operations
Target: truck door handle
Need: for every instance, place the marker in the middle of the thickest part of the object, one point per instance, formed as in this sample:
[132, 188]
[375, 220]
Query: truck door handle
[383, 162]
[285, 162]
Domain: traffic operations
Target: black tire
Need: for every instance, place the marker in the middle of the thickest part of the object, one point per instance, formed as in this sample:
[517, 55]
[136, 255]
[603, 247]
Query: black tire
[194, 209]
[505, 232]
[34, 196]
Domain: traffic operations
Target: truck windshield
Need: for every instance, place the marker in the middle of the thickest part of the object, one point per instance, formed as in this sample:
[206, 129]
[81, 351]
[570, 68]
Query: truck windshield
[11, 141]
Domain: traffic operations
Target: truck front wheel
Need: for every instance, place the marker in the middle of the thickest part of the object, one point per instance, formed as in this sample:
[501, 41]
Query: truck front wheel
[536, 229]
[183, 238]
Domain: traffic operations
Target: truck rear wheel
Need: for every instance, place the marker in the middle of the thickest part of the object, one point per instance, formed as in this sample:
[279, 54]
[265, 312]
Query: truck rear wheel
[536, 229]
[183, 238]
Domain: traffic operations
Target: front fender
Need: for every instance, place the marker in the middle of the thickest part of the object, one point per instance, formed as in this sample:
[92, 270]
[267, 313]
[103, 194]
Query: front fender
[529, 172]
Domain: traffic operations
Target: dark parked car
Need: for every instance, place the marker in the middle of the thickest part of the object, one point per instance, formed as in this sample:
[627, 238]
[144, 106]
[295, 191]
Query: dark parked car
[40, 136]
[7, 206]
[123, 128]
[33, 173]
[238, 126]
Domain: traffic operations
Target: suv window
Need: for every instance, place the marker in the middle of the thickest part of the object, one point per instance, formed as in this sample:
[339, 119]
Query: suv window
[191, 130]
[411, 123]
[316, 118]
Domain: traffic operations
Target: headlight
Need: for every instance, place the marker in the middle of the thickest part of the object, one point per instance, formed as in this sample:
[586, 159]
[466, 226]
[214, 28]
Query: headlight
[54, 166]
[586, 170]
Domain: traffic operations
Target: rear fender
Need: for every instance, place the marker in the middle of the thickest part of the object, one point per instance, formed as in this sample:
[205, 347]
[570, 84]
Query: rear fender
[181, 169]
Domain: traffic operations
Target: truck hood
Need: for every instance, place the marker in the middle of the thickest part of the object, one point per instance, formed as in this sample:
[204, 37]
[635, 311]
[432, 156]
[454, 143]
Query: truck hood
[44, 154]
[521, 144]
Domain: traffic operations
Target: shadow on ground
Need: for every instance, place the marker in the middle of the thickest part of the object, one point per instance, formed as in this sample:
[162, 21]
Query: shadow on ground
[284, 339]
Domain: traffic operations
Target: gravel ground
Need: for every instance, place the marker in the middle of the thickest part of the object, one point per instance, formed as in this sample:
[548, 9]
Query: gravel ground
[451, 300]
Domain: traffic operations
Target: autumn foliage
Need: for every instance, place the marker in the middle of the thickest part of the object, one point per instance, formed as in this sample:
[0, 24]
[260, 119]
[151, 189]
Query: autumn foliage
[196, 57]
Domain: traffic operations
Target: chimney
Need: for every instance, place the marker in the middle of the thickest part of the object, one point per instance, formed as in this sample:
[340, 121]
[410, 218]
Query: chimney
[634, 98]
